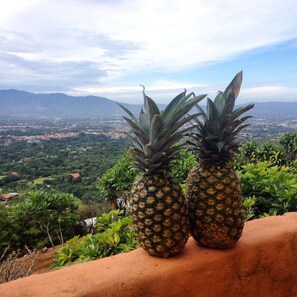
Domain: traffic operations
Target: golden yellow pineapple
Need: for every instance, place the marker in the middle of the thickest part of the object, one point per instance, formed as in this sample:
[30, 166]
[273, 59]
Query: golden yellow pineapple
[160, 215]
[157, 204]
[213, 191]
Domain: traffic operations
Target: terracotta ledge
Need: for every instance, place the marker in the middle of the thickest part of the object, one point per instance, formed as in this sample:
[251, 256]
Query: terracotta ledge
[262, 264]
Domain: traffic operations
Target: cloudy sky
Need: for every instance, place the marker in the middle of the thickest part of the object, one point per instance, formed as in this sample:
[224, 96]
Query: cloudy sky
[109, 47]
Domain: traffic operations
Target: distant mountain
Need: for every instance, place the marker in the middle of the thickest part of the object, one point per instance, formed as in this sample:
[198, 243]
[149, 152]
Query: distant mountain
[24, 104]
[276, 110]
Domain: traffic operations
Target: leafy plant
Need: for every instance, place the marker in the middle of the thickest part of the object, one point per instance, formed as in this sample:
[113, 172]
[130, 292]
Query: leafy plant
[5, 233]
[289, 143]
[274, 187]
[48, 213]
[114, 235]
[253, 152]
[117, 179]
[248, 204]
[270, 152]
[281, 152]
[185, 163]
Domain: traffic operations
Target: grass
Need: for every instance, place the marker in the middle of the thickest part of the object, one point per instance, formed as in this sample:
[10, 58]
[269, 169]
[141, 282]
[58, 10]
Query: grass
[40, 180]
[2, 176]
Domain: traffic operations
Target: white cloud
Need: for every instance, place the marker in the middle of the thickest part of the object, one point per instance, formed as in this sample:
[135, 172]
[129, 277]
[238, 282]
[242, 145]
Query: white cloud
[277, 90]
[269, 93]
[124, 38]
[121, 89]
[162, 90]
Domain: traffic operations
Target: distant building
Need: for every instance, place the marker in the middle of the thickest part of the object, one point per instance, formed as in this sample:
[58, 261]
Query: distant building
[8, 196]
[14, 173]
[74, 175]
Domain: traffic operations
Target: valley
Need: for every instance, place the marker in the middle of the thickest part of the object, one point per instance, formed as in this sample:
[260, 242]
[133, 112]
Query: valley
[50, 150]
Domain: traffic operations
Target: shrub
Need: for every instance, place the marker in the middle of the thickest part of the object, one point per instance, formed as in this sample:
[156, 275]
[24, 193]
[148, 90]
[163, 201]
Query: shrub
[185, 163]
[117, 180]
[274, 188]
[248, 204]
[41, 218]
[114, 235]
[289, 143]
[5, 229]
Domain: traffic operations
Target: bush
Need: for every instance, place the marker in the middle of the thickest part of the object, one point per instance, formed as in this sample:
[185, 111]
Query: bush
[273, 187]
[117, 180]
[42, 218]
[114, 235]
[5, 228]
[282, 152]
[289, 143]
[185, 163]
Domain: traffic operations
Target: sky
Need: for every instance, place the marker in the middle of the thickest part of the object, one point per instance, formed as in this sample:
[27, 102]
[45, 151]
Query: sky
[109, 47]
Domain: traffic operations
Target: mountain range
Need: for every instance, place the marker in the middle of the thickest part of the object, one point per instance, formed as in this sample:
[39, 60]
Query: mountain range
[16, 103]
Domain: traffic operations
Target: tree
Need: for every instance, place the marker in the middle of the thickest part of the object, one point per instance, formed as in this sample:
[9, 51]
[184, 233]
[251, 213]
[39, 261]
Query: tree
[273, 187]
[117, 181]
[289, 143]
[185, 163]
[52, 214]
[4, 228]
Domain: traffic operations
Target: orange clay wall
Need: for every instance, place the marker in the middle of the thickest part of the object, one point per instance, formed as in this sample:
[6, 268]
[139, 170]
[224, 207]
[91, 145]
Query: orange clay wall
[262, 264]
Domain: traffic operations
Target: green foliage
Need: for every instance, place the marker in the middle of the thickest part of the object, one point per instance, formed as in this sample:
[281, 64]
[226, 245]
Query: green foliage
[282, 152]
[118, 178]
[272, 153]
[114, 235]
[42, 218]
[293, 167]
[274, 187]
[289, 143]
[248, 151]
[4, 229]
[248, 204]
[252, 152]
[185, 163]
[90, 155]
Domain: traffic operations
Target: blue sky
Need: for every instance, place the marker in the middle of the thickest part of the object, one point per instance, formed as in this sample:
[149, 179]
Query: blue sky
[108, 48]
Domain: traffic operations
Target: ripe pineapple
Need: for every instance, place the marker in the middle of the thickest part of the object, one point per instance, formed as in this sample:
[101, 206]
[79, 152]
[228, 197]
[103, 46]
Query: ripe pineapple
[157, 204]
[213, 191]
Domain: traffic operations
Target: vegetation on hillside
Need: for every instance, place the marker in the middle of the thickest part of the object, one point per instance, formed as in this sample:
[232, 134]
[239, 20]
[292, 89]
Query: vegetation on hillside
[114, 234]
[47, 165]
[268, 173]
[41, 219]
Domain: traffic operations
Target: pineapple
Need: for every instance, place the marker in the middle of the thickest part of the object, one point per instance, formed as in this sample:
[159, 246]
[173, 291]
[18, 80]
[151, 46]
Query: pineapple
[214, 197]
[157, 204]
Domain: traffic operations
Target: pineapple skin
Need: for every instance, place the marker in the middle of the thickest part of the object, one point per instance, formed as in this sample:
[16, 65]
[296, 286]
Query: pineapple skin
[159, 213]
[216, 211]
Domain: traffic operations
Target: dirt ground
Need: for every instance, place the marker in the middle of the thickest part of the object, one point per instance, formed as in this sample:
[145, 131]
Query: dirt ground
[44, 261]
[21, 267]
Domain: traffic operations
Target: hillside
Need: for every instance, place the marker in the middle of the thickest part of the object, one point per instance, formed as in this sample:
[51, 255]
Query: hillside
[24, 104]
[275, 110]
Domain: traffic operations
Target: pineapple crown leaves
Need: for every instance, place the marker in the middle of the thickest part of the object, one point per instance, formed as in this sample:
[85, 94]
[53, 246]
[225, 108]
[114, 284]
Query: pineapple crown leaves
[215, 135]
[225, 101]
[155, 133]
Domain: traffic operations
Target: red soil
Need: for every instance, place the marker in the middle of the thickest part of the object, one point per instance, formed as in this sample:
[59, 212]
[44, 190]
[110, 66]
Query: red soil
[43, 262]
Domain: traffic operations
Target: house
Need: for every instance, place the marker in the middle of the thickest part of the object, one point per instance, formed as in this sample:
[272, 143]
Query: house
[74, 175]
[8, 196]
[14, 173]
